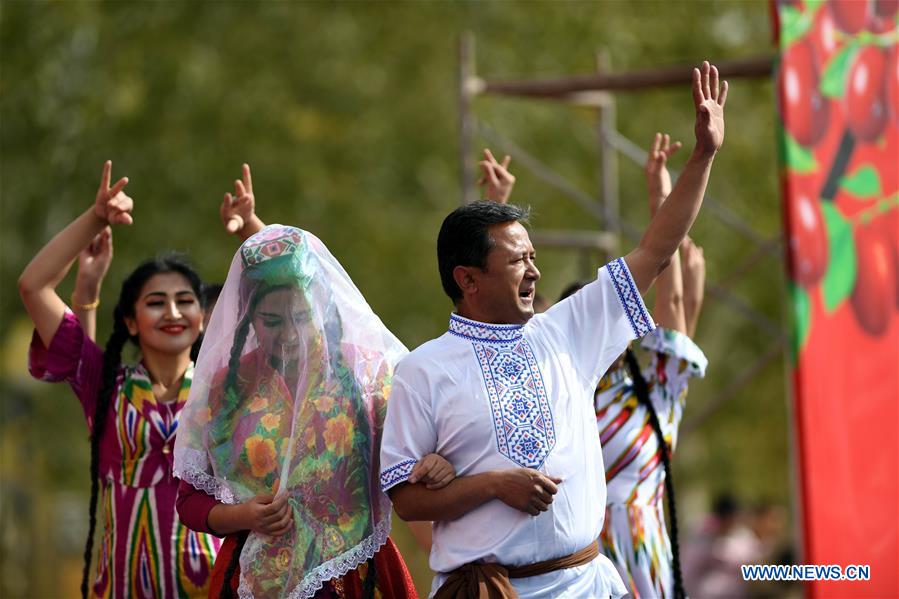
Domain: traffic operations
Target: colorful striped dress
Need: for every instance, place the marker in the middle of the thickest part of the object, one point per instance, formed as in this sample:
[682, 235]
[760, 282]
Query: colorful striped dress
[634, 536]
[144, 551]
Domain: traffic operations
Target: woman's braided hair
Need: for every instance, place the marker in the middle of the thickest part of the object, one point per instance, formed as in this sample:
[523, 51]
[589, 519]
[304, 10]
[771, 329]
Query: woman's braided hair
[641, 391]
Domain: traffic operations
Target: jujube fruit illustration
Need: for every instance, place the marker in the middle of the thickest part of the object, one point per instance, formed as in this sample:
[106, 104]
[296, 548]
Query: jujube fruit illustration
[824, 38]
[886, 9]
[874, 296]
[866, 110]
[892, 82]
[883, 16]
[808, 239]
[850, 15]
[804, 110]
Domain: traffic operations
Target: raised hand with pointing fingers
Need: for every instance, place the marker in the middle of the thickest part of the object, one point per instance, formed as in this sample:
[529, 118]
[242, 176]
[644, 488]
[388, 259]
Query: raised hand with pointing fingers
[496, 180]
[658, 179]
[238, 211]
[112, 205]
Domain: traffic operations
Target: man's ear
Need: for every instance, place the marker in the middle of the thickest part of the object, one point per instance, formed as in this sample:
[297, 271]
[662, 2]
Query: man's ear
[465, 279]
[132, 325]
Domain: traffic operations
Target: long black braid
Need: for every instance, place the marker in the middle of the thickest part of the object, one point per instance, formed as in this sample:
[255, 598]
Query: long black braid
[371, 582]
[112, 359]
[231, 403]
[228, 407]
[230, 391]
[641, 391]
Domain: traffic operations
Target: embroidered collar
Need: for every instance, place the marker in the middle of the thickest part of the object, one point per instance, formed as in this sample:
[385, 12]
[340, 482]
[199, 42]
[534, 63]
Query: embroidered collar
[481, 331]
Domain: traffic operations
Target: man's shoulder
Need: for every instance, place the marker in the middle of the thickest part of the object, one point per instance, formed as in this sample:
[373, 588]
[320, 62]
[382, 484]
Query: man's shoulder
[427, 354]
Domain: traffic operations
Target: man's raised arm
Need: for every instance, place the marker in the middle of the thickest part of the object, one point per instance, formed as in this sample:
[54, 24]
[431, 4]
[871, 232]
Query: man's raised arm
[675, 217]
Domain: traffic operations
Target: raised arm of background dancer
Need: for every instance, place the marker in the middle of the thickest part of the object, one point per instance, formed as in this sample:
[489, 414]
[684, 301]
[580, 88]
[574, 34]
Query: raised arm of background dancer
[238, 211]
[93, 264]
[669, 307]
[524, 489]
[693, 269]
[675, 217]
[496, 179]
[37, 284]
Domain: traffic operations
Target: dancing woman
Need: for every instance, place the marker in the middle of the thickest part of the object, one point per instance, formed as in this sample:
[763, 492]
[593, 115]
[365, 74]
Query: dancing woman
[638, 411]
[132, 412]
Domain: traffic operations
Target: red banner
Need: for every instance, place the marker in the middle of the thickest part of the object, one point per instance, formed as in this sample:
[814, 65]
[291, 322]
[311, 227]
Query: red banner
[838, 93]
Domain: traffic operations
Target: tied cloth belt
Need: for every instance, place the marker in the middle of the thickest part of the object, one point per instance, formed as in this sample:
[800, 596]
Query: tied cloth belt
[492, 581]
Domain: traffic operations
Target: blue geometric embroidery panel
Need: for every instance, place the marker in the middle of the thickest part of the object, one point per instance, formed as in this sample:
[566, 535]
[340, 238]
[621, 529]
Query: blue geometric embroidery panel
[522, 418]
[629, 297]
[397, 474]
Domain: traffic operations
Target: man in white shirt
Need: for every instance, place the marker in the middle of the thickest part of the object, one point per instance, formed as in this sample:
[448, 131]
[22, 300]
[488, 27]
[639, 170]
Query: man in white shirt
[504, 395]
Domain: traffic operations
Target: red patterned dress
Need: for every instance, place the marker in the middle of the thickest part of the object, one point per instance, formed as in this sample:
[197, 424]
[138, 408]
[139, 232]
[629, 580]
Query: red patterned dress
[145, 551]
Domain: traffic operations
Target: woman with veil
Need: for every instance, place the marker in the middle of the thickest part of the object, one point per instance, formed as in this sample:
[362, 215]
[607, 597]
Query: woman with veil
[278, 444]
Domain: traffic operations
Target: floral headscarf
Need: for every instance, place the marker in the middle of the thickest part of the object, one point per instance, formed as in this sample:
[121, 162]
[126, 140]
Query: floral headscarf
[289, 395]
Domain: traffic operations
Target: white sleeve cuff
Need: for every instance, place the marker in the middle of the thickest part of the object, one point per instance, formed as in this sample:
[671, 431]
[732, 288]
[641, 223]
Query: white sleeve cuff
[396, 474]
[674, 343]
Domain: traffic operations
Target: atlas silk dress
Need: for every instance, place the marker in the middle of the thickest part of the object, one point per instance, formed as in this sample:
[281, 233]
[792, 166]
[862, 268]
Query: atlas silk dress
[634, 536]
[145, 550]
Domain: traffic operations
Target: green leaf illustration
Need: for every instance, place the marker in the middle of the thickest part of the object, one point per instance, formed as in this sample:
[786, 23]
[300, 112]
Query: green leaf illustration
[793, 24]
[833, 80]
[863, 183]
[839, 279]
[799, 158]
[813, 5]
[802, 318]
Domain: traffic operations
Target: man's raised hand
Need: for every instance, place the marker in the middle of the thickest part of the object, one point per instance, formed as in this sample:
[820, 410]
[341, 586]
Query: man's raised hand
[237, 210]
[111, 204]
[709, 99]
[496, 178]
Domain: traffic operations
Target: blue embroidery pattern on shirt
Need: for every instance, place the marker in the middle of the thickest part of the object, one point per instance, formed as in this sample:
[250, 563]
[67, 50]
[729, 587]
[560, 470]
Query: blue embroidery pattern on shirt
[522, 418]
[479, 331]
[397, 474]
[629, 297]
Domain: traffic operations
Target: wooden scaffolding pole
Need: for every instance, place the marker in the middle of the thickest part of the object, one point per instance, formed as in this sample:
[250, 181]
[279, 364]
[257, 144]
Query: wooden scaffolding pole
[760, 66]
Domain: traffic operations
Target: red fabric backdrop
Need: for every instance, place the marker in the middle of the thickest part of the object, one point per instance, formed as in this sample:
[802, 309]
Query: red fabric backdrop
[837, 83]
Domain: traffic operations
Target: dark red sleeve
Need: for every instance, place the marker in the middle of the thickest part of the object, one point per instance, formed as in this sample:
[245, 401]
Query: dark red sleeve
[193, 507]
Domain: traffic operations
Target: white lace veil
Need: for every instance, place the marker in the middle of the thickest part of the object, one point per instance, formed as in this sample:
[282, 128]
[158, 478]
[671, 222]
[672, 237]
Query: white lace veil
[289, 394]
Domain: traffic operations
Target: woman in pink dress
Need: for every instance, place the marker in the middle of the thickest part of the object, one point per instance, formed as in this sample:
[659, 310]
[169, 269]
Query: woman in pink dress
[132, 412]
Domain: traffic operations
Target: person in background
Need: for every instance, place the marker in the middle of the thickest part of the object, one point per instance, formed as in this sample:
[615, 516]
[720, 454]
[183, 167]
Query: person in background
[638, 412]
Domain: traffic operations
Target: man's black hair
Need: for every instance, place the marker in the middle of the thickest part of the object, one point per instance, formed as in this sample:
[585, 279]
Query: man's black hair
[464, 239]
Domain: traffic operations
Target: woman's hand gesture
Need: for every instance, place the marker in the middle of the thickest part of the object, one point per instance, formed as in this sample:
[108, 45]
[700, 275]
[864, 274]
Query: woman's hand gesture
[709, 98]
[496, 180]
[238, 209]
[112, 205]
[658, 179]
